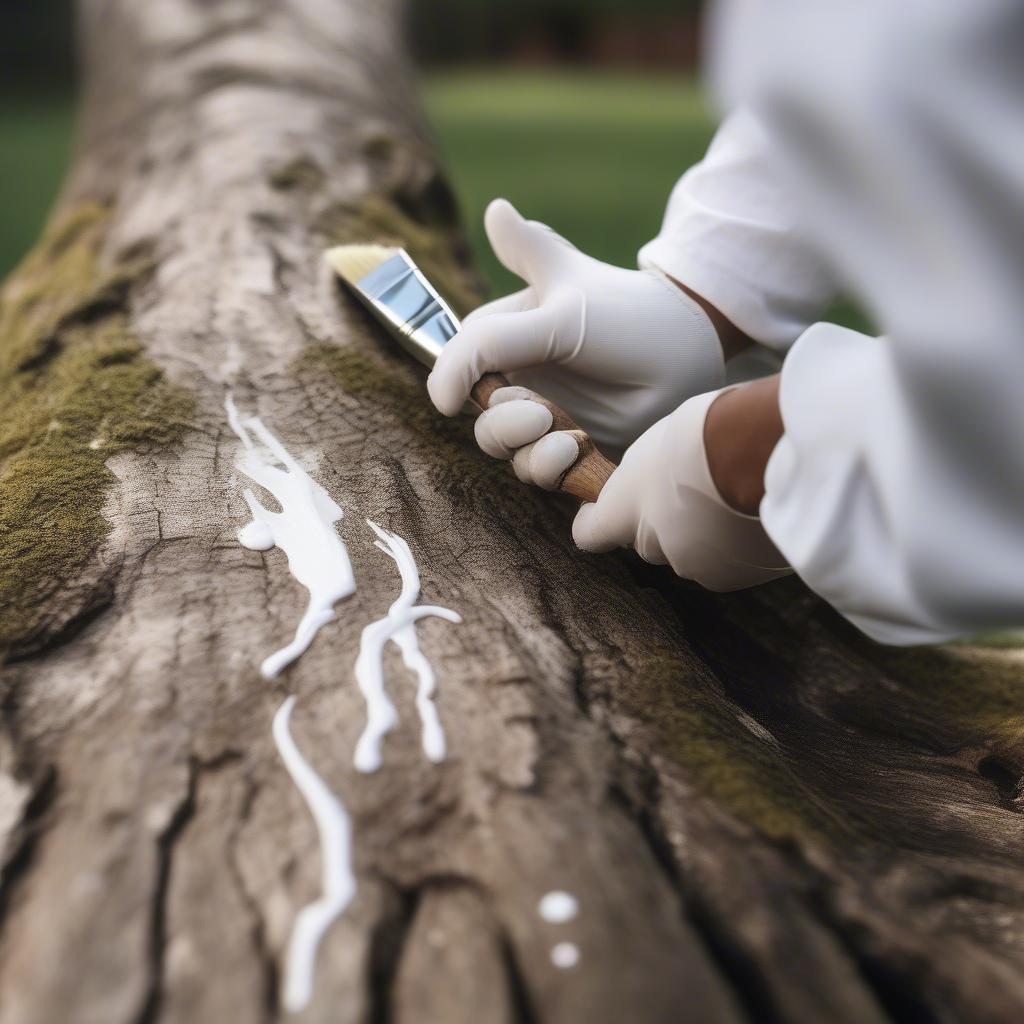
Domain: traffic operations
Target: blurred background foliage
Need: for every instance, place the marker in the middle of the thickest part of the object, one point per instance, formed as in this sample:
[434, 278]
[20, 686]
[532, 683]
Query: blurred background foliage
[638, 32]
[36, 83]
[582, 112]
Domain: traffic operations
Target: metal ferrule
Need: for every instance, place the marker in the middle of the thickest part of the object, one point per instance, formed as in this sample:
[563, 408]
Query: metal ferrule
[420, 320]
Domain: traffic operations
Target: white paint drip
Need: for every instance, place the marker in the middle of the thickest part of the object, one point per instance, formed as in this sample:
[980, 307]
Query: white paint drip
[565, 955]
[557, 907]
[303, 529]
[399, 626]
[338, 883]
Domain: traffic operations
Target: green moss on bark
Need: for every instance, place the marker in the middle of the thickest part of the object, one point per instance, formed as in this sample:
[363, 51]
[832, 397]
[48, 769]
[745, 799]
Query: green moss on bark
[739, 767]
[302, 173]
[384, 389]
[58, 281]
[74, 389]
[379, 220]
[958, 703]
[964, 697]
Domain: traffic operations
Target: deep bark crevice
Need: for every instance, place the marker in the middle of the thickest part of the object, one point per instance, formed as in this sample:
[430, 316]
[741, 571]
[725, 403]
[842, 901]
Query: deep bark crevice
[265, 956]
[890, 985]
[387, 941]
[17, 867]
[101, 598]
[157, 939]
[1006, 781]
[523, 1009]
[166, 843]
[735, 966]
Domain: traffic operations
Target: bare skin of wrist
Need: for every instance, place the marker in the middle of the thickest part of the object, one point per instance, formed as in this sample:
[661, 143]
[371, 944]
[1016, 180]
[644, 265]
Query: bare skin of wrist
[731, 338]
[741, 430]
[743, 425]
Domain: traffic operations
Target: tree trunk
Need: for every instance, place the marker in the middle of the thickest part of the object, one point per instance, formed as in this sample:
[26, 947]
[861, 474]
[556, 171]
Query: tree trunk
[763, 816]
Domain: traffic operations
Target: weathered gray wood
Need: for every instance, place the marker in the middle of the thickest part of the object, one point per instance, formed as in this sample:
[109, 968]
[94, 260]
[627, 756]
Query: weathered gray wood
[763, 816]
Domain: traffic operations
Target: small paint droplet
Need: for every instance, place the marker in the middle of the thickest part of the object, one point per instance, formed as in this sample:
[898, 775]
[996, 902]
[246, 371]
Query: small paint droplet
[565, 955]
[557, 907]
[256, 536]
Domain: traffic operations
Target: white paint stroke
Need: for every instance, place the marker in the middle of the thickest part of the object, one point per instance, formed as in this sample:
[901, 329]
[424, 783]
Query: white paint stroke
[303, 529]
[557, 907]
[398, 626]
[338, 883]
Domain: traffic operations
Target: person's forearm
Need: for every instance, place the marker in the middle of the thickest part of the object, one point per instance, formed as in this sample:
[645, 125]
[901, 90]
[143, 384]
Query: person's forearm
[742, 428]
[743, 425]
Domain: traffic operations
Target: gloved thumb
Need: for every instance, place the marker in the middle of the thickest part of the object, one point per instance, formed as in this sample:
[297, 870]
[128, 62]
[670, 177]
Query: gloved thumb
[603, 525]
[501, 342]
[526, 247]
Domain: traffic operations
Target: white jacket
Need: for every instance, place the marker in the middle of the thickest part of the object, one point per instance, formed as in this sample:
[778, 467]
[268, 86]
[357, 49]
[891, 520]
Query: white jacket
[877, 147]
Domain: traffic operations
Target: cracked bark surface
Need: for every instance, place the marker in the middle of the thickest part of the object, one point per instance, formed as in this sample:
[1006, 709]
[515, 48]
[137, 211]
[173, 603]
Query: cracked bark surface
[763, 816]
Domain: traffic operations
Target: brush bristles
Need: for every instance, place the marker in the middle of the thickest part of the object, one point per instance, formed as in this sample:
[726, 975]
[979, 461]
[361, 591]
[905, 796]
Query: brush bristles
[353, 262]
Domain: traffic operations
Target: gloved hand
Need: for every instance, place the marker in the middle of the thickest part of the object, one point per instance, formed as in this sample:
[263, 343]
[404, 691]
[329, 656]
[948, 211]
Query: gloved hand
[663, 502]
[616, 349]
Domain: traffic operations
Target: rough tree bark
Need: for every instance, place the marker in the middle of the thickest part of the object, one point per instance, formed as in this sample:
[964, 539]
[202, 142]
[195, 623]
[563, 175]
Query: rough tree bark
[764, 816]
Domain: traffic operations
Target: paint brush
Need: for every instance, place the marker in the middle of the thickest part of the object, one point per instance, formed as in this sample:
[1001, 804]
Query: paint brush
[388, 282]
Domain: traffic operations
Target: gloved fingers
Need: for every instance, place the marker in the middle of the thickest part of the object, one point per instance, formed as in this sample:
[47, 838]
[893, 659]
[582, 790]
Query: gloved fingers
[546, 461]
[521, 463]
[503, 342]
[509, 425]
[517, 302]
[647, 544]
[609, 522]
[511, 394]
[526, 247]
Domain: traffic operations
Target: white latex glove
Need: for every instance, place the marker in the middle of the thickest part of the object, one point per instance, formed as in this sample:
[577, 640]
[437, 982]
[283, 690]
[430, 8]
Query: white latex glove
[616, 349]
[662, 502]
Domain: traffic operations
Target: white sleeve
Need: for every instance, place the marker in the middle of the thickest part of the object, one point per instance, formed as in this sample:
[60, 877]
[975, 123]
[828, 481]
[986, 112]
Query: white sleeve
[730, 234]
[897, 491]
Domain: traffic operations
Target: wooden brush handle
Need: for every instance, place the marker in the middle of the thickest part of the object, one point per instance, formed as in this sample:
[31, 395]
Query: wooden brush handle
[589, 473]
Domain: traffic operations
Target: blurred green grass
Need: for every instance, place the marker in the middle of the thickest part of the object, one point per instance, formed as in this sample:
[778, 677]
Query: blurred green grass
[35, 142]
[593, 155]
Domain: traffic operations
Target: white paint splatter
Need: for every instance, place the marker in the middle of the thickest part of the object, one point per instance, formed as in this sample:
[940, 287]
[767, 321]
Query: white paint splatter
[565, 955]
[303, 529]
[338, 883]
[557, 907]
[399, 626]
